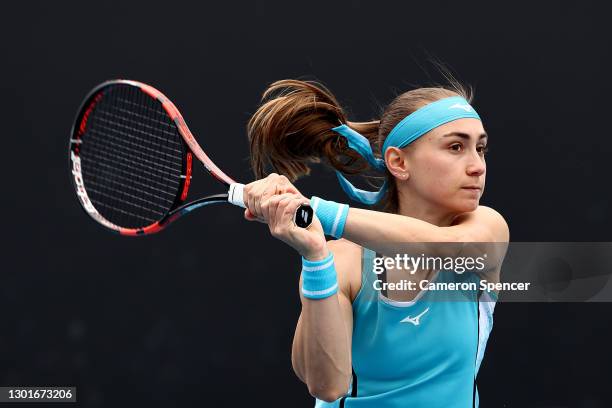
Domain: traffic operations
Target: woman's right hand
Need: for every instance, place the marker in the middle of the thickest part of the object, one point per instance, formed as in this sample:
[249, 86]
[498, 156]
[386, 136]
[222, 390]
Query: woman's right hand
[278, 211]
[258, 191]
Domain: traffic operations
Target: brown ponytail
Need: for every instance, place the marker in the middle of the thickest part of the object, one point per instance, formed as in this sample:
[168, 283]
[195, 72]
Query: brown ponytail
[291, 129]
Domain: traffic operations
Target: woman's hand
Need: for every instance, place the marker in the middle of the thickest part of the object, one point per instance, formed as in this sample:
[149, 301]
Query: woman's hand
[274, 200]
[259, 191]
[278, 211]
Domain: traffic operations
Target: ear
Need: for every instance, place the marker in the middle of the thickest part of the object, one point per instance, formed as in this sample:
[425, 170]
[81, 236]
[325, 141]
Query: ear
[397, 163]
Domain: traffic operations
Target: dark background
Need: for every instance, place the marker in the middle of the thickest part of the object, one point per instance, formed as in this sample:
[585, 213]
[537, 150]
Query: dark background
[203, 314]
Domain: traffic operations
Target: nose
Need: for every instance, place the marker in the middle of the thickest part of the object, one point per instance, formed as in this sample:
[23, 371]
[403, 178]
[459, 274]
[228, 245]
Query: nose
[476, 165]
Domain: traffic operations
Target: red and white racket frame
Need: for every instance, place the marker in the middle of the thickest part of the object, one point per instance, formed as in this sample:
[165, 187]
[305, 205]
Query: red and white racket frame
[193, 148]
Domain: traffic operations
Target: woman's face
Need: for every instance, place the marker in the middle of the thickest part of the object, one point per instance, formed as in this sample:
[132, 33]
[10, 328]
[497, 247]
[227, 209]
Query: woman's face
[447, 165]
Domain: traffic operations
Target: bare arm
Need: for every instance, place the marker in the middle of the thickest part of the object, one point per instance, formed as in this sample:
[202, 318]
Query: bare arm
[382, 232]
[321, 354]
[321, 348]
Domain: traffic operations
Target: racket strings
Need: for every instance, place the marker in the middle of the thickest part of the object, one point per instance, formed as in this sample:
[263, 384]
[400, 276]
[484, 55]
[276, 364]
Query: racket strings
[121, 173]
[132, 150]
[103, 185]
[107, 172]
[130, 137]
[114, 117]
[132, 158]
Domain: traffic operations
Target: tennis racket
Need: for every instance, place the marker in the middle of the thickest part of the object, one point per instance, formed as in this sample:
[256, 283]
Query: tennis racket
[131, 157]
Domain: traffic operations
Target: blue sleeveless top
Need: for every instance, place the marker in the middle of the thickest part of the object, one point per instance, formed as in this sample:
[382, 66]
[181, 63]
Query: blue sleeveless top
[422, 353]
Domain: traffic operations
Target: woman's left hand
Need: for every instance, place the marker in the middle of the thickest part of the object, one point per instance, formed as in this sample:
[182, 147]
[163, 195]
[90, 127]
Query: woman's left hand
[278, 212]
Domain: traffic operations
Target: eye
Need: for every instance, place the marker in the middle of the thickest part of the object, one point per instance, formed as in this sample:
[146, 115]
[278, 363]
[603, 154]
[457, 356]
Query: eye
[457, 147]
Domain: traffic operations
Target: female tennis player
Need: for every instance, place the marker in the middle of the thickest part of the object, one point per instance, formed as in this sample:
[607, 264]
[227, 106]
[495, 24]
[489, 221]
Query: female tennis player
[356, 345]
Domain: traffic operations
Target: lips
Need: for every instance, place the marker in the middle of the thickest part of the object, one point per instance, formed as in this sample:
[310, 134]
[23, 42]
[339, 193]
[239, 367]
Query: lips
[472, 187]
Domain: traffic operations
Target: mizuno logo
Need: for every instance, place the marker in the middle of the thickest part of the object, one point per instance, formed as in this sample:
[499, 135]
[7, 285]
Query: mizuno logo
[416, 319]
[465, 107]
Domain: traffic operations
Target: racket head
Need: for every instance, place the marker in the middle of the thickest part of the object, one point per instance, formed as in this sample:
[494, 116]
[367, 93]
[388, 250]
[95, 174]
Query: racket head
[129, 160]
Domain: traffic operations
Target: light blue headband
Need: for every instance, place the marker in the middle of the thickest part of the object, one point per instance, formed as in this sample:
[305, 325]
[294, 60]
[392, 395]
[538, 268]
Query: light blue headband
[407, 131]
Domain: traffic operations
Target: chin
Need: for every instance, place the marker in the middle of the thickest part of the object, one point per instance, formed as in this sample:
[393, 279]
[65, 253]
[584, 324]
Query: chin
[468, 206]
[474, 205]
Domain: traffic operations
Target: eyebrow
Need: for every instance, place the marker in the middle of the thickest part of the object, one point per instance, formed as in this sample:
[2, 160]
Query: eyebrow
[465, 135]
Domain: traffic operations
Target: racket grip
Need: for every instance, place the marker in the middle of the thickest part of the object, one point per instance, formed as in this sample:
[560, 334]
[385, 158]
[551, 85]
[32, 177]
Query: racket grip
[302, 217]
[235, 195]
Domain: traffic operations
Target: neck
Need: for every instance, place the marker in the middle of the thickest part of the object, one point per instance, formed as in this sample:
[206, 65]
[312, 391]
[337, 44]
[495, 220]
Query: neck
[424, 211]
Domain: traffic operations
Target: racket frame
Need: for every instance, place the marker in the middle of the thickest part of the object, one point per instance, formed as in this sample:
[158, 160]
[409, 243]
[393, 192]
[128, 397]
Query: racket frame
[192, 148]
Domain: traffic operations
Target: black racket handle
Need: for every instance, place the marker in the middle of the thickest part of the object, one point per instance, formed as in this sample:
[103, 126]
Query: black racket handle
[302, 217]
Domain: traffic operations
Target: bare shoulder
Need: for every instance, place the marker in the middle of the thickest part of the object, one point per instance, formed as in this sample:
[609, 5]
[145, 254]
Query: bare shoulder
[484, 225]
[347, 258]
[488, 231]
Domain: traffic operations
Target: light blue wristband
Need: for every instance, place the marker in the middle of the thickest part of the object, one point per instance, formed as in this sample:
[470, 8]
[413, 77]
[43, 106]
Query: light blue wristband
[319, 278]
[331, 214]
